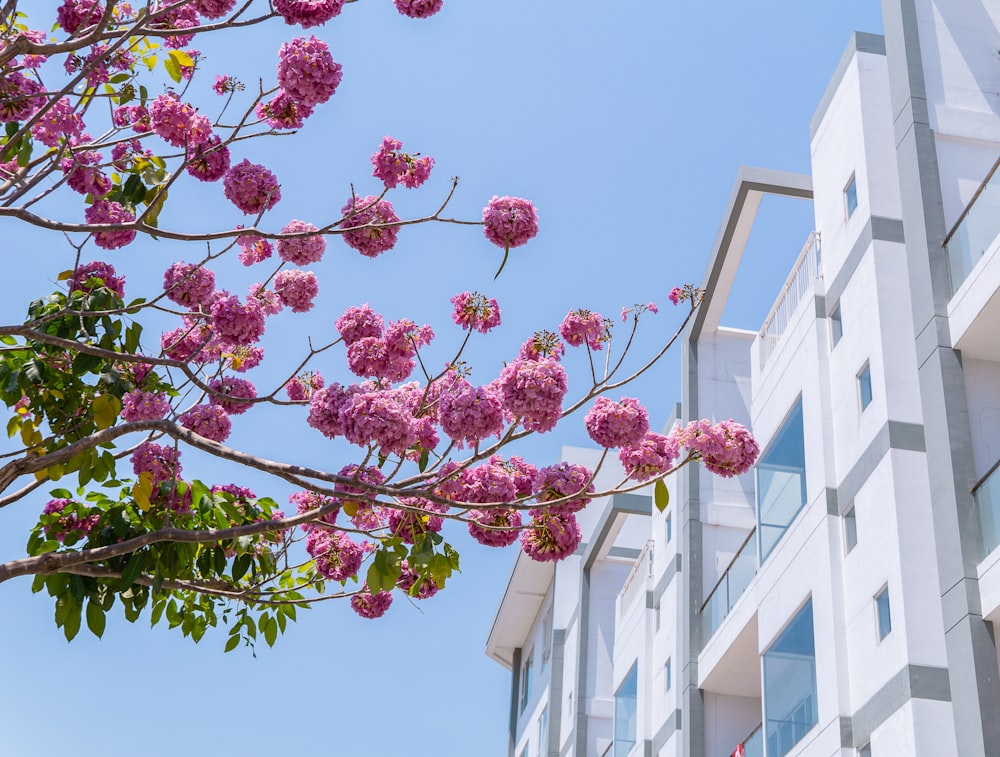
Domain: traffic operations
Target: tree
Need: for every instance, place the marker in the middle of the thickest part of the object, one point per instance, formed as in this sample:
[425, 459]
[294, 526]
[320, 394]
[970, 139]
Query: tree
[104, 414]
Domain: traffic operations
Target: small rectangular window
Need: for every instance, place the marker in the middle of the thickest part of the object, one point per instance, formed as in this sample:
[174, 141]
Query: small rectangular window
[670, 527]
[656, 614]
[836, 325]
[865, 386]
[526, 681]
[626, 713]
[851, 196]
[850, 529]
[883, 616]
[547, 636]
[666, 674]
[543, 732]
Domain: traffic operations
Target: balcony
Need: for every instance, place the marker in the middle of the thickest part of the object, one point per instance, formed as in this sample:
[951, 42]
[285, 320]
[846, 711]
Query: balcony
[730, 586]
[753, 745]
[987, 496]
[976, 229]
[807, 268]
[637, 581]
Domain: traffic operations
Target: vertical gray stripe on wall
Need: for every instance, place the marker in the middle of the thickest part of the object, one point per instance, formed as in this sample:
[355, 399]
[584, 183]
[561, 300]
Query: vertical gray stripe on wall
[580, 727]
[556, 690]
[515, 678]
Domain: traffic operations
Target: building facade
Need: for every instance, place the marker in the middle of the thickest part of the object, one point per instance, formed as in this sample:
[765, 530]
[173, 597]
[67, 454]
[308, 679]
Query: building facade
[842, 598]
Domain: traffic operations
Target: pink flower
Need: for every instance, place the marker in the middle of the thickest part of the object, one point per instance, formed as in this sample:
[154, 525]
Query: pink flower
[214, 8]
[584, 326]
[337, 557]
[307, 71]
[60, 121]
[726, 449]
[305, 502]
[209, 421]
[20, 97]
[543, 344]
[551, 536]
[510, 221]
[297, 289]
[532, 391]
[522, 472]
[68, 522]
[369, 605]
[105, 272]
[76, 14]
[650, 458]
[417, 586]
[474, 311]
[380, 419]
[106, 211]
[418, 8]
[358, 322]
[675, 295]
[364, 221]
[301, 250]
[209, 161]
[82, 176]
[184, 342]
[301, 387]
[135, 116]
[363, 514]
[177, 122]
[251, 188]
[307, 13]
[144, 406]
[234, 390]
[393, 166]
[235, 322]
[469, 414]
[162, 463]
[327, 409]
[617, 424]
[495, 527]
[253, 249]
[189, 285]
[418, 516]
[557, 482]
[372, 358]
[282, 112]
[224, 84]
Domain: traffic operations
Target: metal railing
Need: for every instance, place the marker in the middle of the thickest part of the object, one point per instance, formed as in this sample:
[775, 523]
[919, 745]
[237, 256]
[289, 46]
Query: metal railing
[975, 230]
[986, 492]
[637, 579]
[753, 745]
[807, 268]
[730, 587]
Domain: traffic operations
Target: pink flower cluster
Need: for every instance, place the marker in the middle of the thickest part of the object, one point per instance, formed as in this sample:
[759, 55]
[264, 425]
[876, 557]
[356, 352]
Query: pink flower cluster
[532, 392]
[510, 221]
[474, 311]
[544, 344]
[415, 516]
[20, 97]
[209, 421]
[109, 212]
[551, 536]
[726, 448]
[138, 405]
[560, 481]
[236, 393]
[177, 122]
[70, 521]
[251, 187]
[358, 322]
[470, 414]
[306, 501]
[301, 250]
[418, 8]
[417, 586]
[651, 458]
[189, 285]
[74, 15]
[389, 357]
[364, 515]
[301, 387]
[297, 289]
[209, 160]
[253, 249]
[364, 225]
[282, 112]
[307, 72]
[235, 322]
[369, 605]
[393, 166]
[336, 556]
[214, 8]
[59, 122]
[162, 463]
[617, 424]
[105, 272]
[307, 13]
[585, 327]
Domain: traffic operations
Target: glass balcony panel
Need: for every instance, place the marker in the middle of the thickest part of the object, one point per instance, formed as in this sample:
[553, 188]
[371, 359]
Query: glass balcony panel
[976, 232]
[988, 510]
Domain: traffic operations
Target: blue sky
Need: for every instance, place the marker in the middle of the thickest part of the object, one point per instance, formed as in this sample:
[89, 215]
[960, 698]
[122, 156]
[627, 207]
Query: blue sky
[625, 124]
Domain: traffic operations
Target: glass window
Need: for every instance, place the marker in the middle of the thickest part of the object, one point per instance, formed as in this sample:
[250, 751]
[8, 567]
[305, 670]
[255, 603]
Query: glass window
[790, 685]
[836, 325]
[851, 196]
[865, 386]
[526, 681]
[882, 614]
[656, 615]
[850, 529]
[547, 636]
[626, 725]
[670, 527]
[543, 732]
[666, 674]
[781, 481]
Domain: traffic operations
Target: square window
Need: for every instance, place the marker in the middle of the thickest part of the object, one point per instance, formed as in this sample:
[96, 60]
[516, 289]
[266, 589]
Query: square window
[882, 614]
[850, 529]
[851, 196]
[666, 674]
[670, 527]
[836, 325]
[865, 386]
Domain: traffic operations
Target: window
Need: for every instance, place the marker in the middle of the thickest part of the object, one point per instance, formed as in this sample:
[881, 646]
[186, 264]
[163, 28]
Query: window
[836, 325]
[666, 674]
[526, 681]
[543, 732]
[790, 709]
[865, 386]
[670, 527]
[547, 636]
[626, 711]
[850, 529]
[656, 615]
[882, 615]
[781, 481]
[851, 196]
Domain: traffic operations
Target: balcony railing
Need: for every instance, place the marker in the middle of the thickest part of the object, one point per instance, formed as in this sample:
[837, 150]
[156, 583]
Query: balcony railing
[975, 229]
[752, 745]
[805, 271]
[987, 494]
[637, 579]
[730, 586]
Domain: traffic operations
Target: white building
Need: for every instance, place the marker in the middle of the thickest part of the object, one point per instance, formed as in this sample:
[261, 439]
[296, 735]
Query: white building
[842, 599]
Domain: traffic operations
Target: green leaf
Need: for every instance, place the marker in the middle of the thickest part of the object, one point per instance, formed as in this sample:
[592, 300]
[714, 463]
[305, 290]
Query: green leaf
[173, 67]
[270, 628]
[232, 643]
[132, 570]
[71, 624]
[241, 565]
[158, 609]
[424, 458]
[95, 618]
[660, 495]
[182, 58]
